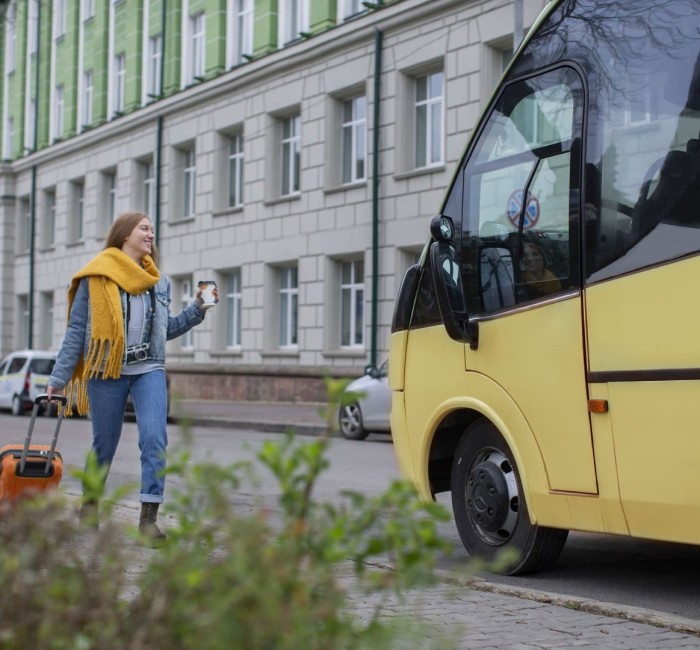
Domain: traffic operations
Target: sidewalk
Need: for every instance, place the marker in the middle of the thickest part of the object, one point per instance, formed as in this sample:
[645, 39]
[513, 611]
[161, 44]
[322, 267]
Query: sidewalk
[486, 616]
[304, 418]
[493, 615]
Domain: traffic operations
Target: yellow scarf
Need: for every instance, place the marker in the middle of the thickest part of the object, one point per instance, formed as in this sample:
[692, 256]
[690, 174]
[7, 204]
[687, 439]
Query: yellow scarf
[107, 272]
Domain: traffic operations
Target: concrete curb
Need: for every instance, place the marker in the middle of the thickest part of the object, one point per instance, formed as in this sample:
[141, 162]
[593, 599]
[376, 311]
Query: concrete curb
[590, 606]
[267, 427]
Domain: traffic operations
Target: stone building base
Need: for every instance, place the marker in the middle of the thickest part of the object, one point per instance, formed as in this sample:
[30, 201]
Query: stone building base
[252, 384]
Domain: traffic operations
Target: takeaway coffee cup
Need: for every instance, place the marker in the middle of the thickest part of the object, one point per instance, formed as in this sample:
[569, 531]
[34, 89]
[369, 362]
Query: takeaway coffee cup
[207, 288]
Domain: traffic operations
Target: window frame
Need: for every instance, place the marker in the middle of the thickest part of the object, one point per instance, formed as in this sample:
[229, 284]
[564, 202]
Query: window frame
[288, 307]
[293, 21]
[290, 156]
[233, 304]
[239, 39]
[428, 103]
[58, 113]
[355, 289]
[119, 86]
[87, 99]
[189, 178]
[352, 126]
[235, 168]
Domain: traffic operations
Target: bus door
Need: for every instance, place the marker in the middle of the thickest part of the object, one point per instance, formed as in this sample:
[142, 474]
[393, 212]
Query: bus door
[642, 267]
[521, 266]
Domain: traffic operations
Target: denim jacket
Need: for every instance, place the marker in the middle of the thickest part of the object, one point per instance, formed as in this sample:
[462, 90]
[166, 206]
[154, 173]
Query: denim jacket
[77, 338]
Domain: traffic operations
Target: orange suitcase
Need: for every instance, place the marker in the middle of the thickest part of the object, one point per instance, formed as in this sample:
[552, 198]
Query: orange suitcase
[28, 469]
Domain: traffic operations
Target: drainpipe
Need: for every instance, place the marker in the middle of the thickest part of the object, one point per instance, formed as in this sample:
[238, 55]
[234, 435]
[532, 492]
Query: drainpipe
[159, 147]
[375, 193]
[32, 215]
[159, 126]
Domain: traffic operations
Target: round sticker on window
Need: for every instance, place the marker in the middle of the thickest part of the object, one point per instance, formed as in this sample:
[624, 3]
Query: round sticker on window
[515, 206]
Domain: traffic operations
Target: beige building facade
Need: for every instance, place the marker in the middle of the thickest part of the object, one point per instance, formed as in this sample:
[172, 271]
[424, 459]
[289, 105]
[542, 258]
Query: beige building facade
[288, 180]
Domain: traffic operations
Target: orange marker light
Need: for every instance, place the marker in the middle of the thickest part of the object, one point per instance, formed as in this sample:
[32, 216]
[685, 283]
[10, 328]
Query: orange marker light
[598, 405]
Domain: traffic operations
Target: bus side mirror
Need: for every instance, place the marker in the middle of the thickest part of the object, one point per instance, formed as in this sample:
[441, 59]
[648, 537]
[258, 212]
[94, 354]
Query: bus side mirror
[447, 277]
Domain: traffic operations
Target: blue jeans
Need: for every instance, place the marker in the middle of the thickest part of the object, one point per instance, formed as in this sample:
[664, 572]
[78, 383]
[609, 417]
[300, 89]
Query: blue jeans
[107, 399]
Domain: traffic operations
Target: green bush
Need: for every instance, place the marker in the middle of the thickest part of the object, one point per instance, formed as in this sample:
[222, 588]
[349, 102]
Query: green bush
[229, 576]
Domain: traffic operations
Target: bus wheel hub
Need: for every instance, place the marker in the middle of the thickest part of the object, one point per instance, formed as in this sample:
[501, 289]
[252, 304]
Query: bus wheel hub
[487, 496]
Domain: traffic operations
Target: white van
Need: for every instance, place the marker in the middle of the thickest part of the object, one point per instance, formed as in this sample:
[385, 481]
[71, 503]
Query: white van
[24, 375]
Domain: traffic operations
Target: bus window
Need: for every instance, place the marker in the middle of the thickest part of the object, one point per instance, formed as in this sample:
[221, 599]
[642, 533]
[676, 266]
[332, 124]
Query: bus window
[521, 201]
[643, 171]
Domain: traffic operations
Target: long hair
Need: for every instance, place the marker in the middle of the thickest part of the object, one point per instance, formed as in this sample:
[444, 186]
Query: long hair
[122, 227]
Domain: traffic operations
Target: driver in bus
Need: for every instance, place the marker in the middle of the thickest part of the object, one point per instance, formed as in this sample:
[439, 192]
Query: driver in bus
[535, 273]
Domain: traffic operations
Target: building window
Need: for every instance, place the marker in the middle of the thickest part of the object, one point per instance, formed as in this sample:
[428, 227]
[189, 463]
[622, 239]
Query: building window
[642, 107]
[48, 231]
[155, 52]
[235, 171]
[88, 9]
[58, 113]
[118, 96]
[352, 301]
[22, 331]
[291, 154]
[240, 40]
[197, 49]
[9, 139]
[10, 37]
[429, 119]
[189, 178]
[186, 299]
[77, 212]
[233, 309]
[294, 19]
[46, 320]
[86, 118]
[24, 225]
[32, 26]
[29, 140]
[59, 13]
[352, 8]
[354, 145]
[288, 305]
[149, 189]
[108, 199]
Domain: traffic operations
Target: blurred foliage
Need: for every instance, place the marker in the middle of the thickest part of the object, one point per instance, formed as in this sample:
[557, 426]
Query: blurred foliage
[232, 574]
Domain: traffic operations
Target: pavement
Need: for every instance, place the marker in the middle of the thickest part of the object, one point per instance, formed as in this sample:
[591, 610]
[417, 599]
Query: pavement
[483, 615]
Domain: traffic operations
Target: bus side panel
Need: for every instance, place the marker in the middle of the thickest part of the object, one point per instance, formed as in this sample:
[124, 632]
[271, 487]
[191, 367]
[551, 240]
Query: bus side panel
[643, 342]
[437, 384]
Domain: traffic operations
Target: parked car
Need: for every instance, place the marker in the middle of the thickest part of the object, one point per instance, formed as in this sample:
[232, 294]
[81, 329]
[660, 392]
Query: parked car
[366, 404]
[24, 375]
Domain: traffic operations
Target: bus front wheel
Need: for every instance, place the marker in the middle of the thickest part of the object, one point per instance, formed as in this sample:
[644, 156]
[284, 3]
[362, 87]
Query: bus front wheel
[490, 510]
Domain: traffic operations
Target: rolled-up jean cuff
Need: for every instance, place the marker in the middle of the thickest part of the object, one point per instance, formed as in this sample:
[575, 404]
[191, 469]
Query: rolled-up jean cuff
[150, 498]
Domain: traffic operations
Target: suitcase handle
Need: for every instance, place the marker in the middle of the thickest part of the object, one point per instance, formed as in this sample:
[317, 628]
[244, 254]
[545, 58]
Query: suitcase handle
[54, 398]
[28, 438]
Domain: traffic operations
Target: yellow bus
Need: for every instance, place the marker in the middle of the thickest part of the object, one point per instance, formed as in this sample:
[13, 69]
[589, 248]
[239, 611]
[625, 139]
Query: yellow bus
[545, 350]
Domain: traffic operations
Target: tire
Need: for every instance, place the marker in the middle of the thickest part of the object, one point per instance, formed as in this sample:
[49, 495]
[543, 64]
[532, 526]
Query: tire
[17, 406]
[350, 421]
[490, 509]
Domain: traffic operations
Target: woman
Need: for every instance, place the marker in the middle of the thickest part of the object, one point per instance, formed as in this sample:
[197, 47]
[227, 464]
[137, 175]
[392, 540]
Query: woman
[119, 321]
[535, 274]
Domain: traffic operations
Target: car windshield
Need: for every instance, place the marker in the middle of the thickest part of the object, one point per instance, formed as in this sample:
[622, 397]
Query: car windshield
[42, 366]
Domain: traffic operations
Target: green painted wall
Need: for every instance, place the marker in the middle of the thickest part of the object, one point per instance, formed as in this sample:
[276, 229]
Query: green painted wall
[128, 38]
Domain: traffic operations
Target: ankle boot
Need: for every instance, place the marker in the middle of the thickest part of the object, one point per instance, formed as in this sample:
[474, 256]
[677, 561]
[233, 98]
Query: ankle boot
[149, 531]
[88, 514]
